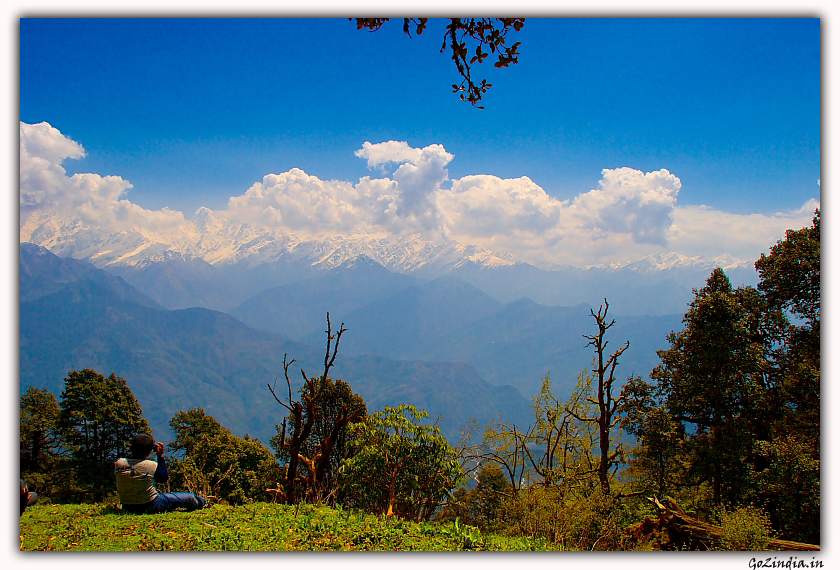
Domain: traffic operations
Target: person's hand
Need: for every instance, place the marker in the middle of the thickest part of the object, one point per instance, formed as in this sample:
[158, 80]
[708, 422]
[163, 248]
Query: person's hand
[159, 448]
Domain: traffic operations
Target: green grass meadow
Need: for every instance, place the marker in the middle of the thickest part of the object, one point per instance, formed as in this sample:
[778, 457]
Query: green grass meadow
[254, 527]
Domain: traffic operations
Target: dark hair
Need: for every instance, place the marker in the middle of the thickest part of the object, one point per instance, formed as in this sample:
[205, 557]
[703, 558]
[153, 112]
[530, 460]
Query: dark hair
[142, 445]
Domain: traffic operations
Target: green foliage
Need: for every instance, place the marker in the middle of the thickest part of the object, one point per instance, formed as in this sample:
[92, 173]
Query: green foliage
[586, 519]
[399, 466]
[788, 458]
[312, 439]
[745, 528]
[99, 417]
[562, 447]
[563, 500]
[790, 275]
[39, 414]
[482, 505]
[790, 280]
[734, 415]
[714, 377]
[789, 487]
[467, 537]
[253, 527]
[536, 512]
[653, 465]
[43, 461]
[218, 464]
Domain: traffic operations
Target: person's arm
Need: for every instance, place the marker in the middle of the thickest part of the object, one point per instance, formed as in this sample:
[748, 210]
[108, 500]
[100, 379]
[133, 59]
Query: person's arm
[161, 473]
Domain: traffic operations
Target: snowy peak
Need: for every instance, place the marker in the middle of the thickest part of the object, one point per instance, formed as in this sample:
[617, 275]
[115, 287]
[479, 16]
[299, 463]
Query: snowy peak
[360, 262]
[213, 238]
[658, 262]
[216, 240]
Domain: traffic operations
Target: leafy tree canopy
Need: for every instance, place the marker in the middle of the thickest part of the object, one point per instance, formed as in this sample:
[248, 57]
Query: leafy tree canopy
[39, 438]
[100, 416]
[398, 466]
[790, 275]
[217, 463]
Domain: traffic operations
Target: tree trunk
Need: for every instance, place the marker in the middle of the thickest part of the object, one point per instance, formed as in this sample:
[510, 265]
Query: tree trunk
[675, 529]
[392, 495]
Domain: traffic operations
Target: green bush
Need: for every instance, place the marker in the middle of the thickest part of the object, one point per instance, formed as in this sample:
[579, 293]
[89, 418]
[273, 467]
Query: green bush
[216, 463]
[745, 528]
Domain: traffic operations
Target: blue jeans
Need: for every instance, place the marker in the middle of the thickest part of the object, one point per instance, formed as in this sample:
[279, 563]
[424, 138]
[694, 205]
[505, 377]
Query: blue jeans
[166, 502]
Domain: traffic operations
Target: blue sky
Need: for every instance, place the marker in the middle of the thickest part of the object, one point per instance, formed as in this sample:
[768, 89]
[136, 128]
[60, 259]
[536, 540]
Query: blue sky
[192, 112]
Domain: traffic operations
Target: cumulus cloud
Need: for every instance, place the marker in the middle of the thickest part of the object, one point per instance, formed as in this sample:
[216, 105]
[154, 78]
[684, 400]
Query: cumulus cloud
[47, 193]
[46, 142]
[419, 177]
[628, 215]
[297, 201]
[405, 202]
[381, 154]
[629, 201]
[485, 206]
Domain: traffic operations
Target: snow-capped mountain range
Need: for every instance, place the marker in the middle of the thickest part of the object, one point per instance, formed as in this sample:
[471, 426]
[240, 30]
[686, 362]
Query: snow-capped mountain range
[221, 242]
[672, 260]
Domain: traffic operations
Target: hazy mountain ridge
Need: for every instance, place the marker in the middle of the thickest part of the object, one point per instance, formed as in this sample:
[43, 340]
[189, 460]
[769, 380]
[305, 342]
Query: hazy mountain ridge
[455, 325]
[298, 309]
[187, 358]
[517, 343]
[43, 273]
[225, 265]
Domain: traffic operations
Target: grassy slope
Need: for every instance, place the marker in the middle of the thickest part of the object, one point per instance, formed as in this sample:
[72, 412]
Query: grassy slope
[255, 527]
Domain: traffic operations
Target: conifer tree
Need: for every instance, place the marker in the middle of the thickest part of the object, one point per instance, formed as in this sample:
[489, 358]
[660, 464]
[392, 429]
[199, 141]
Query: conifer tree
[714, 377]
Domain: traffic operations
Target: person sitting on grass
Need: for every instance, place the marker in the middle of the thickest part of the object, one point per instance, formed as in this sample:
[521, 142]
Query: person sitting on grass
[136, 478]
[27, 497]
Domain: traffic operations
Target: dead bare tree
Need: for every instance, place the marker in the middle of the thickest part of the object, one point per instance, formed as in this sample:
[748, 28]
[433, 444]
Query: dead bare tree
[607, 403]
[303, 415]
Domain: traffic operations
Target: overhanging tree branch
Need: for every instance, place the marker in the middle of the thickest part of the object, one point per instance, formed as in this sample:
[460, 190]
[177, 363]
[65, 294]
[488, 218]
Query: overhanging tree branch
[482, 33]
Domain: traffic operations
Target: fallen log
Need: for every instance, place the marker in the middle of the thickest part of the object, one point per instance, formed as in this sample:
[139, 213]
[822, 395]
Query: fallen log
[676, 530]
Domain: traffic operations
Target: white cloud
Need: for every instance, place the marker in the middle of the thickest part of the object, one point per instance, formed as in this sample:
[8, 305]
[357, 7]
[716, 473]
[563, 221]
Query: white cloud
[488, 206]
[700, 230]
[46, 142]
[297, 201]
[631, 202]
[403, 203]
[392, 151]
[46, 192]
[629, 215]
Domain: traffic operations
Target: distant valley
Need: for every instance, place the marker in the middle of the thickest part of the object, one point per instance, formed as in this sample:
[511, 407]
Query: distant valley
[179, 359]
[459, 343]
